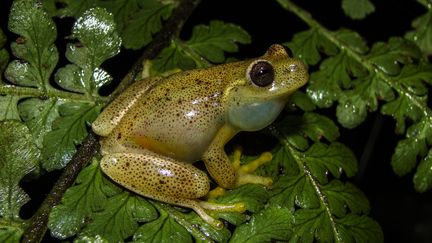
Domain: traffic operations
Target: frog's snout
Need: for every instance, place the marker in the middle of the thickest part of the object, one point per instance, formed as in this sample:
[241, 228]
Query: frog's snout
[298, 72]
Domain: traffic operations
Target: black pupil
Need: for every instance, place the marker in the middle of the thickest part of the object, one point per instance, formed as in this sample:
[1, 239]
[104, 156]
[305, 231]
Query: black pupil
[262, 74]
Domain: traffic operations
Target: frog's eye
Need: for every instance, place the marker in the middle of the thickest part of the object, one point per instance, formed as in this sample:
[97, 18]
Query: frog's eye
[261, 73]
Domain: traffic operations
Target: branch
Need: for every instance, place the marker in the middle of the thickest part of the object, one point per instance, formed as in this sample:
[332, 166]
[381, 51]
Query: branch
[38, 223]
[162, 39]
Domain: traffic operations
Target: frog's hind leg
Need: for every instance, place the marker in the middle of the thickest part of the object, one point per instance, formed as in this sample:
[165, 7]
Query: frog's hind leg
[164, 179]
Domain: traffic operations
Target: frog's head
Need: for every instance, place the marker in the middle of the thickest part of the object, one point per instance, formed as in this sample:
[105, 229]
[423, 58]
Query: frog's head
[268, 82]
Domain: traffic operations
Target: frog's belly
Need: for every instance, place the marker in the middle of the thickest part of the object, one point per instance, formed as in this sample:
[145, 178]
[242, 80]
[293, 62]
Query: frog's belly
[185, 144]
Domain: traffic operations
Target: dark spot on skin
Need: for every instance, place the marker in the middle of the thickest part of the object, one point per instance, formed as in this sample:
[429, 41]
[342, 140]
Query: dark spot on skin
[119, 135]
[162, 182]
[127, 164]
[198, 81]
[135, 116]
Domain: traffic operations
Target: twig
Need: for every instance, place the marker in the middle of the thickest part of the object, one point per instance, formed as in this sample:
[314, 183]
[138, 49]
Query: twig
[171, 29]
[38, 223]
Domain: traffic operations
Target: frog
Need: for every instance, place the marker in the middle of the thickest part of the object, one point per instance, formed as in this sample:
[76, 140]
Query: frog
[153, 132]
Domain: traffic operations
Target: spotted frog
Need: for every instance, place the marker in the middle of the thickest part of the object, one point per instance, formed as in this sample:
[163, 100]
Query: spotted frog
[155, 130]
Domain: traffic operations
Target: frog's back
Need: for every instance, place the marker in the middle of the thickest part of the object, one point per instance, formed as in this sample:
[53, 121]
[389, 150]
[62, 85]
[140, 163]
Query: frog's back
[181, 115]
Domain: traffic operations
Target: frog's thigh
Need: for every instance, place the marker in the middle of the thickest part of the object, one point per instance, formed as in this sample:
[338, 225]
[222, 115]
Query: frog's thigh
[157, 177]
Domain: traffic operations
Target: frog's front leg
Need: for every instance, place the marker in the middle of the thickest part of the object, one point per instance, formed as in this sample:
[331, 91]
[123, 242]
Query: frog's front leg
[229, 174]
[164, 179]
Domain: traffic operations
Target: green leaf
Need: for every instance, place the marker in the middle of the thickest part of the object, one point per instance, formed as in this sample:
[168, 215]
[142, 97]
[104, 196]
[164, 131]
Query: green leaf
[423, 175]
[419, 135]
[352, 40]
[119, 220]
[354, 104]
[343, 197]
[269, 225]
[172, 57]
[207, 42]
[388, 56]
[335, 74]
[18, 157]
[337, 71]
[252, 195]
[335, 158]
[294, 191]
[8, 107]
[200, 230]
[311, 125]
[38, 115]
[93, 239]
[163, 229]
[4, 55]
[422, 35]
[355, 228]
[402, 108]
[95, 30]
[34, 46]
[351, 111]
[317, 126]
[10, 234]
[316, 224]
[210, 42]
[75, 7]
[138, 20]
[405, 157]
[310, 224]
[282, 163]
[357, 9]
[68, 130]
[302, 101]
[307, 45]
[80, 202]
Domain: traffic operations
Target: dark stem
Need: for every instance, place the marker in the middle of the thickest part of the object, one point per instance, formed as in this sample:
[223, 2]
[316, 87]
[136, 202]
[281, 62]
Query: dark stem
[161, 40]
[38, 223]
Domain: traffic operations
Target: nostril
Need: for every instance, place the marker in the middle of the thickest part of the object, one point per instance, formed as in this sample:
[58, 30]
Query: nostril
[293, 67]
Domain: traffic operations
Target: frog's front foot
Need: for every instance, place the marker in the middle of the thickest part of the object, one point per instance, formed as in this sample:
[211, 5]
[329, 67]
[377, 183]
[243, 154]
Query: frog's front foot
[244, 173]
